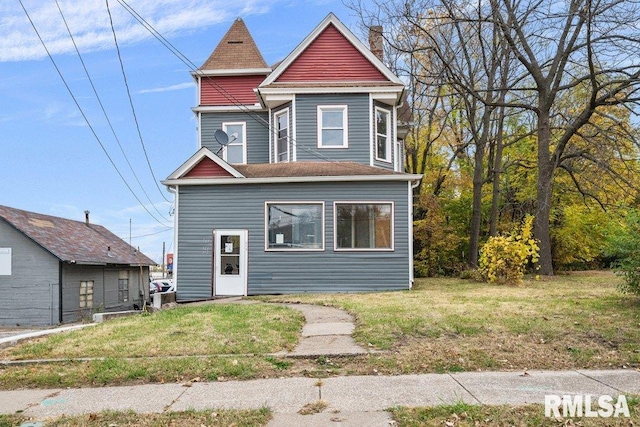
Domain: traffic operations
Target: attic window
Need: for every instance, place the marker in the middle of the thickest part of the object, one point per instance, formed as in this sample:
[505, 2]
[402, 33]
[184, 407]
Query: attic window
[235, 42]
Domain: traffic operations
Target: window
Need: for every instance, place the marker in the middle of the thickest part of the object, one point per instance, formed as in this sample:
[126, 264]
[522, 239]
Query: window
[5, 261]
[86, 294]
[236, 150]
[123, 286]
[295, 226]
[364, 226]
[383, 135]
[281, 140]
[332, 126]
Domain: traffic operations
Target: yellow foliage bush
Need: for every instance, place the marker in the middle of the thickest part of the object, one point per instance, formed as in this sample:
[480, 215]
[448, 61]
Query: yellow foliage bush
[504, 258]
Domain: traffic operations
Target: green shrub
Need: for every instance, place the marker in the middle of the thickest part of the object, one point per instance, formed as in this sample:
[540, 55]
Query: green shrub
[504, 259]
[624, 247]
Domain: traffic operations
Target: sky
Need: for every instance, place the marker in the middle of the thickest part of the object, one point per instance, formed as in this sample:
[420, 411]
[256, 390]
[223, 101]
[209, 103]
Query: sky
[64, 150]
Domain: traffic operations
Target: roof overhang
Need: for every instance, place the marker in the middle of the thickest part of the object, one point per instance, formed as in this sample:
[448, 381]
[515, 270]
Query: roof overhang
[273, 96]
[289, 179]
[227, 108]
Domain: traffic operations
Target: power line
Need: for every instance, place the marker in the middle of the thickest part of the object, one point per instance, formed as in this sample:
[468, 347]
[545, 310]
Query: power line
[86, 71]
[84, 116]
[229, 96]
[133, 110]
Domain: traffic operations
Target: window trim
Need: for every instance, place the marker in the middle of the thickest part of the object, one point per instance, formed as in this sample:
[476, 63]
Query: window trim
[292, 202]
[388, 150]
[83, 303]
[284, 111]
[363, 202]
[345, 125]
[225, 126]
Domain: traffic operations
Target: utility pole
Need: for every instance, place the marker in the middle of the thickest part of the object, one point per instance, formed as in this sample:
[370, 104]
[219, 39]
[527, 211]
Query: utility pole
[163, 255]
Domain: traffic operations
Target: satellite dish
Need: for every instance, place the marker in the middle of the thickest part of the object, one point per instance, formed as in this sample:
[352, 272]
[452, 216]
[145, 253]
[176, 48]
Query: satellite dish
[222, 137]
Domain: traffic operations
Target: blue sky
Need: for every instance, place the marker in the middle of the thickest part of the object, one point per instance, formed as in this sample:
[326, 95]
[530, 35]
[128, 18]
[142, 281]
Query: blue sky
[51, 161]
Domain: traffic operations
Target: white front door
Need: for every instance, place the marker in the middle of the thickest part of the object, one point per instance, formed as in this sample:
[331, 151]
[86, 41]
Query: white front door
[230, 262]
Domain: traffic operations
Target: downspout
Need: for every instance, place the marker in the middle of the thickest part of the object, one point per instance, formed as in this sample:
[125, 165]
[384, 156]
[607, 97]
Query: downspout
[413, 186]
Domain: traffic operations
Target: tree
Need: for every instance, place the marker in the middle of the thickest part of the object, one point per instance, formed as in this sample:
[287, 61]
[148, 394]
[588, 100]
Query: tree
[586, 46]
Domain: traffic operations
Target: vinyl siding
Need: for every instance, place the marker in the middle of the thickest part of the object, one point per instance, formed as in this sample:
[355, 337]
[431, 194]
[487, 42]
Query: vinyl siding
[205, 208]
[29, 296]
[358, 124]
[257, 132]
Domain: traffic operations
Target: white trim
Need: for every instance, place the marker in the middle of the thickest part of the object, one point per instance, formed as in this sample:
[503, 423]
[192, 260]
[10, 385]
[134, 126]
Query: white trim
[371, 129]
[235, 72]
[363, 202]
[174, 276]
[291, 202]
[388, 152]
[410, 231]
[288, 179]
[379, 93]
[199, 134]
[345, 125]
[176, 177]
[235, 143]
[227, 108]
[294, 128]
[330, 19]
[274, 127]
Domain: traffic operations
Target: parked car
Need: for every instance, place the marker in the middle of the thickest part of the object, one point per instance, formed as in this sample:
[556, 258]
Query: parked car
[165, 285]
[154, 287]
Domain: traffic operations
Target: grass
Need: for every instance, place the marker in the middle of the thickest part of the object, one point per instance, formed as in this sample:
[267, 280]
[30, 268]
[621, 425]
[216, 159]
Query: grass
[185, 331]
[238, 418]
[449, 325]
[576, 321]
[465, 415]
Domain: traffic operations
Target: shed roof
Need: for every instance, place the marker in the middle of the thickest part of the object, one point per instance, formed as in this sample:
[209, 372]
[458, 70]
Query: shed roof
[74, 241]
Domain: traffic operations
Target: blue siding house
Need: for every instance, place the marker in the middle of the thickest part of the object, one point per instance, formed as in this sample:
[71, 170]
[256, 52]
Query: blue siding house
[298, 185]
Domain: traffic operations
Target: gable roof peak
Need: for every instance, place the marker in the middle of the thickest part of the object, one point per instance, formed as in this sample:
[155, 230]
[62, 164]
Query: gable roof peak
[237, 50]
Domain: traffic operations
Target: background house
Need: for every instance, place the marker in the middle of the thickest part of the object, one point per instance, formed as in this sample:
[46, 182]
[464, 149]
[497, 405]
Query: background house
[298, 185]
[55, 270]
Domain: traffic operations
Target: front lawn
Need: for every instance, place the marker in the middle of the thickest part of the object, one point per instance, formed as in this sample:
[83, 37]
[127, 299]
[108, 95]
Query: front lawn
[571, 321]
[451, 325]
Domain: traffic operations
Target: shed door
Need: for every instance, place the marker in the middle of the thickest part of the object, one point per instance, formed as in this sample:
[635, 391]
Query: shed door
[230, 262]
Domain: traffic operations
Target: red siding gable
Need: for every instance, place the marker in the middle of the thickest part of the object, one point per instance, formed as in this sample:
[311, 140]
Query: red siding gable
[207, 168]
[229, 90]
[331, 57]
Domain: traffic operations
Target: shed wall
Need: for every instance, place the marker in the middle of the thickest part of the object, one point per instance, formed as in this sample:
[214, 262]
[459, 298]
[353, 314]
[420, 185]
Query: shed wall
[29, 296]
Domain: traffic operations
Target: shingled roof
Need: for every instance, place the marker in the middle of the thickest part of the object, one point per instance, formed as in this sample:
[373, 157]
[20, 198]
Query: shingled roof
[237, 50]
[302, 169]
[74, 241]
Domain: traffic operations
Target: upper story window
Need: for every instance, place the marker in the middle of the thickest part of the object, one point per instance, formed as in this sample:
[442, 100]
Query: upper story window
[281, 140]
[235, 151]
[332, 126]
[383, 135]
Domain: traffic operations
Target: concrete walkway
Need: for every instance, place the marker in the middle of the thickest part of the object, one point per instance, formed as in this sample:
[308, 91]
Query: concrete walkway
[327, 332]
[356, 400]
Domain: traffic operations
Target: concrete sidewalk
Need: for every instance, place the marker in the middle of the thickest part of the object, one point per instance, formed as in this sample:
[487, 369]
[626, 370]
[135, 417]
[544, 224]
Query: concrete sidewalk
[355, 400]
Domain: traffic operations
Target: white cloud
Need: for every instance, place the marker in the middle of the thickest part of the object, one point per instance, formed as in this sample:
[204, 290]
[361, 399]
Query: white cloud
[89, 23]
[168, 88]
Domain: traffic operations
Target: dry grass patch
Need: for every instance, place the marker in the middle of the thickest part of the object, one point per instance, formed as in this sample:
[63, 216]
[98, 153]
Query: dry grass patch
[569, 321]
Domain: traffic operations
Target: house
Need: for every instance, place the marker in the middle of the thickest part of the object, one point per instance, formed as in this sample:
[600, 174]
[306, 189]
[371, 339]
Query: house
[55, 270]
[298, 182]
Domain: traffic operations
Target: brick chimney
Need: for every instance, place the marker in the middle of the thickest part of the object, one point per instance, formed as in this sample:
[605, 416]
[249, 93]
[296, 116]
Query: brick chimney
[376, 41]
